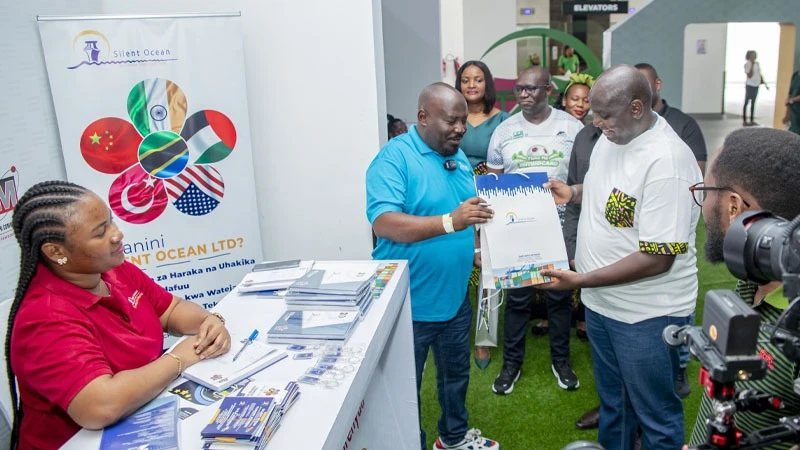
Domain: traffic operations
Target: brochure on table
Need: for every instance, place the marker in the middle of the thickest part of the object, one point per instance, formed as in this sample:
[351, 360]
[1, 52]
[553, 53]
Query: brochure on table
[524, 236]
[221, 372]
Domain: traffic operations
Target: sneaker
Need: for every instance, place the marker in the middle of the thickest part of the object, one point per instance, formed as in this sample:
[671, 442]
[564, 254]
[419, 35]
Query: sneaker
[682, 386]
[472, 441]
[565, 375]
[504, 383]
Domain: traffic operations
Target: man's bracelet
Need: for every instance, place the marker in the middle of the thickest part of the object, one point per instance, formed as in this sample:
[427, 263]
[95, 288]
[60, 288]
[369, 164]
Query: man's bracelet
[574, 195]
[447, 223]
[477, 250]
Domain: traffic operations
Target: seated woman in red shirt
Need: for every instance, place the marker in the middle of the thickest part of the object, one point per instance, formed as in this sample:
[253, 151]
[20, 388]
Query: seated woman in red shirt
[85, 330]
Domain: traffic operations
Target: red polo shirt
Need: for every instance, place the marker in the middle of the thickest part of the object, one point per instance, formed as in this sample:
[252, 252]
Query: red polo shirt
[64, 337]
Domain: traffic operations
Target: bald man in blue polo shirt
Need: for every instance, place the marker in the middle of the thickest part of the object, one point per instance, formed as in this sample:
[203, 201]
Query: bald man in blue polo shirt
[422, 204]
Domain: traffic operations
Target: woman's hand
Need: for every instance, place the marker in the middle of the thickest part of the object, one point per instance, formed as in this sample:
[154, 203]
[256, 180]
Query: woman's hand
[212, 338]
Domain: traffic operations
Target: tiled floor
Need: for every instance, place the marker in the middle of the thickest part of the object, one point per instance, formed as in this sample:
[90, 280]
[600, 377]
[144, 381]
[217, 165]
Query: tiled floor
[716, 127]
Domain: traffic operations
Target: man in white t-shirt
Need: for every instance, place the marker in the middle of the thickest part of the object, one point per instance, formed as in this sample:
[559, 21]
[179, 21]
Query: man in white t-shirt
[538, 139]
[754, 79]
[635, 260]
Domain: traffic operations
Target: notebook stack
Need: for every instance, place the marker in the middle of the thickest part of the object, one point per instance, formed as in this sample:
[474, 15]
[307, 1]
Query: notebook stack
[334, 286]
[242, 423]
[285, 397]
[313, 327]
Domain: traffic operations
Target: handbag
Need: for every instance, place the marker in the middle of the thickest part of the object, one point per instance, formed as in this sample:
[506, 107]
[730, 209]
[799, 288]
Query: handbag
[489, 302]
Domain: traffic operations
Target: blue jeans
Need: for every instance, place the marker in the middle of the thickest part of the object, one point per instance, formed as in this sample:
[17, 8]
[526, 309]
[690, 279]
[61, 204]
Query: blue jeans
[449, 341]
[683, 350]
[635, 373]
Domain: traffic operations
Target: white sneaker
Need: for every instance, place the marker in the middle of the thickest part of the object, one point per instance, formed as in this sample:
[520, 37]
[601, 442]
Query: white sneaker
[472, 441]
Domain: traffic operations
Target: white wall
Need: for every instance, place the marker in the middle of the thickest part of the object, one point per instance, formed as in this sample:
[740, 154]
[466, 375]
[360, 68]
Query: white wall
[485, 22]
[411, 48]
[28, 132]
[451, 23]
[314, 83]
[702, 75]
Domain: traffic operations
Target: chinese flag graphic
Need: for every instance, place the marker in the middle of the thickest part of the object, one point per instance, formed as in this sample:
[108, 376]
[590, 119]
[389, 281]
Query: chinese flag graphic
[110, 145]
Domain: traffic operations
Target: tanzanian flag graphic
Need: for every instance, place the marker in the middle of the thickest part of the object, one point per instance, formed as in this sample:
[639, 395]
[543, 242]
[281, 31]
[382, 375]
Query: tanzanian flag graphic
[210, 135]
[157, 104]
[163, 154]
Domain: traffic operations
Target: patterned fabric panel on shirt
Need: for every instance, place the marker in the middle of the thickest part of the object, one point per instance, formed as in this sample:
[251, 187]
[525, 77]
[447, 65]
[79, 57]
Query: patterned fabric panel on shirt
[781, 372]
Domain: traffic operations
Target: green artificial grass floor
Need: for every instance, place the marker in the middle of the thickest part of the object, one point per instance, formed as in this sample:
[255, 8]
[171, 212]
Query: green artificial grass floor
[538, 414]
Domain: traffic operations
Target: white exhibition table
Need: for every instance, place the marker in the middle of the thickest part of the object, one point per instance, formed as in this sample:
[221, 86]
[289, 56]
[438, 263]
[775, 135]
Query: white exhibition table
[374, 407]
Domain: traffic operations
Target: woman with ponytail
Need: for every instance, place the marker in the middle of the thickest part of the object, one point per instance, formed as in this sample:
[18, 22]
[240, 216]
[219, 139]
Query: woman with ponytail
[85, 330]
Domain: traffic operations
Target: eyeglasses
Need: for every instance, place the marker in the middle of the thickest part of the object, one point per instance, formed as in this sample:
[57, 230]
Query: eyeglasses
[698, 191]
[518, 89]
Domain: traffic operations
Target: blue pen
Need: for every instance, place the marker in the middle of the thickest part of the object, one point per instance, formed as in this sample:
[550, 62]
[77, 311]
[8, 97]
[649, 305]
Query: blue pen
[249, 341]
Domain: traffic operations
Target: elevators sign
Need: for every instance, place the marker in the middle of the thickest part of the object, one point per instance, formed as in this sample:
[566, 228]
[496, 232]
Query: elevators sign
[577, 7]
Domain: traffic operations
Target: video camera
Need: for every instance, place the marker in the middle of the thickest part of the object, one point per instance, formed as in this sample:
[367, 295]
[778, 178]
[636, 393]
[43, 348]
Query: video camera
[758, 247]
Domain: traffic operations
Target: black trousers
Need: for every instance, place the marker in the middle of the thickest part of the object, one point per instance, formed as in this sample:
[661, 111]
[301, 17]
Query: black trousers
[519, 303]
[750, 94]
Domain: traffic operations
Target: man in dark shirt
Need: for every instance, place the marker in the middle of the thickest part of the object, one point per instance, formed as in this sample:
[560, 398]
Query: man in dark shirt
[686, 127]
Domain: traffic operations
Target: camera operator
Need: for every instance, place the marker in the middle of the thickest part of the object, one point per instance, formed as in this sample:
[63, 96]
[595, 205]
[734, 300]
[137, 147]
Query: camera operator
[756, 169]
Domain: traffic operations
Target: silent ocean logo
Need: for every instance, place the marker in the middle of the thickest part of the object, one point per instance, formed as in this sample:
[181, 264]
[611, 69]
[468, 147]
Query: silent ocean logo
[92, 48]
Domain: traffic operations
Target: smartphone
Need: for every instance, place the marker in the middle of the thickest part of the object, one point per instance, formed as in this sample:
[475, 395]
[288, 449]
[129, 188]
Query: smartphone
[276, 265]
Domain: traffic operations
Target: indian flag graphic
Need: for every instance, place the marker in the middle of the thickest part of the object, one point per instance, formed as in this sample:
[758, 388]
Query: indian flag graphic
[210, 135]
[157, 104]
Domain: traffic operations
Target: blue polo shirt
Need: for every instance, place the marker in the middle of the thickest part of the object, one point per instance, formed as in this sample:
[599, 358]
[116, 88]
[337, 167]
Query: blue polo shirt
[408, 176]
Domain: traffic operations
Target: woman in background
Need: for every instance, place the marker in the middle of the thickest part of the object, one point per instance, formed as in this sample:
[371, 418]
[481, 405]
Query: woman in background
[754, 79]
[475, 82]
[86, 328]
[568, 62]
[575, 100]
[395, 126]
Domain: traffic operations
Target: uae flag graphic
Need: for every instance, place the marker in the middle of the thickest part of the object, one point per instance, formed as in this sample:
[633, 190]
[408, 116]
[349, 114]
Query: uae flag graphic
[196, 191]
[109, 145]
[136, 197]
[157, 104]
[210, 136]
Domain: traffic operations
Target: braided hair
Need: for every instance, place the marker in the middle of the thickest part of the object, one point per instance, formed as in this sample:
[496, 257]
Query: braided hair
[40, 217]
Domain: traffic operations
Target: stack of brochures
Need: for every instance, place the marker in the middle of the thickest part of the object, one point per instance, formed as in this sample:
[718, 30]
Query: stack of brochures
[221, 372]
[313, 327]
[334, 286]
[242, 423]
[237, 423]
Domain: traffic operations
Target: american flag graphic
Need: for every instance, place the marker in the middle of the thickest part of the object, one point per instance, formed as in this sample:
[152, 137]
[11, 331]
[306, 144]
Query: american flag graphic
[196, 191]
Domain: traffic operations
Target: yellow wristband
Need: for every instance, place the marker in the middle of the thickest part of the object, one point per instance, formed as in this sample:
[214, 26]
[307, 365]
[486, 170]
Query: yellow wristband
[447, 223]
[180, 363]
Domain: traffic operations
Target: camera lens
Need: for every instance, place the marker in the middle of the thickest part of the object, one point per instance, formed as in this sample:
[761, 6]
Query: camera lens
[754, 247]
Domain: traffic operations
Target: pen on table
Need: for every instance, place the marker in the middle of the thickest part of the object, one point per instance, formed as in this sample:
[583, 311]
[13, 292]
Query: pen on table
[249, 341]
